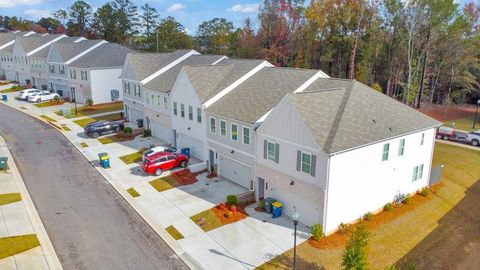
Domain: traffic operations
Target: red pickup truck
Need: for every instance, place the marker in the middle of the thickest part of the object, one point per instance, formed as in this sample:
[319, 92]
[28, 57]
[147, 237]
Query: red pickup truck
[446, 133]
[162, 161]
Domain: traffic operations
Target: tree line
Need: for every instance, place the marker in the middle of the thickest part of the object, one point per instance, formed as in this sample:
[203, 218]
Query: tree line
[414, 51]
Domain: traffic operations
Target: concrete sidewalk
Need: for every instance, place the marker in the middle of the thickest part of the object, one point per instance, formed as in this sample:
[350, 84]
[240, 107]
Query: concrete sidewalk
[21, 218]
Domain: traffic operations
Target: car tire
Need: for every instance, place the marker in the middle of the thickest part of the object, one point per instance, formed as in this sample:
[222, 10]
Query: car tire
[475, 143]
[439, 136]
[158, 172]
[445, 138]
[56, 98]
[95, 135]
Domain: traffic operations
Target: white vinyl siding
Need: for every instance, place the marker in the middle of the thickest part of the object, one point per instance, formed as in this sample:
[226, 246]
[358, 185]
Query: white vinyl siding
[386, 149]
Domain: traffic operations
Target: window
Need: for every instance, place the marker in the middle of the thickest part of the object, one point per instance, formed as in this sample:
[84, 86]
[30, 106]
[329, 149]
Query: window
[199, 115]
[234, 132]
[386, 148]
[147, 99]
[417, 173]
[422, 140]
[223, 128]
[61, 69]
[272, 151]
[306, 162]
[213, 124]
[137, 90]
[246, 135]
[83, 74]
[165, 103]
[401, 147]
[190, 113]
[158, 100]
[175, 108]
[182, 110]
[74, 74]
[52, 69]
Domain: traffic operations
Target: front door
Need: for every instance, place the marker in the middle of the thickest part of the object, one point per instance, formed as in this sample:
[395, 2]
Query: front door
[72, 94]
[211, 158]
[127, 115]
[148, 122]
[261, 188]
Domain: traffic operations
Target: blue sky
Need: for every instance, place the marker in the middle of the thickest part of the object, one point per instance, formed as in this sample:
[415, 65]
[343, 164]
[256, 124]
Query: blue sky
[188, 12]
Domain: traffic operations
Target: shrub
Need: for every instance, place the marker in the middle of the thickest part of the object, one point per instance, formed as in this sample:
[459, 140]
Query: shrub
[388, 207]
[317, 231]
[344, 228]
[147, 133]
[355, 255]
[407, 200]
[261, 203]
[368, 216]
[233, 208]
[425, 191]
[128, 130]
[232, 200]
[222, 206]
[89, 102]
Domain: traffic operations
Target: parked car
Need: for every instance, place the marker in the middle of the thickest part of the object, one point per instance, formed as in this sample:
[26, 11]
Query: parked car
[162, 161]
[446, 133]
[474, 138]
[158, 149]
[43, 96]
[103, 127]
[24, 94]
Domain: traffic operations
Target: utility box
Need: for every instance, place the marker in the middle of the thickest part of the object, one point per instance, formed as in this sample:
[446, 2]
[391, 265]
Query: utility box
[3, 163]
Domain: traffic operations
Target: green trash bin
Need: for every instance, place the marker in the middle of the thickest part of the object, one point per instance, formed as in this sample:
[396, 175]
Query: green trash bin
[3, 163]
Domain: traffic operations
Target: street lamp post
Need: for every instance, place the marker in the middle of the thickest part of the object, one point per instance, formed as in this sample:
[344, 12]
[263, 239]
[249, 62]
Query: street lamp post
[476, 112]
[75, 99]
[295, 217]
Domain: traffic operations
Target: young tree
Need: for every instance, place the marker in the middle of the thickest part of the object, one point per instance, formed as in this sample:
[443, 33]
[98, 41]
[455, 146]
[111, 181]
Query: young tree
[79, 18]
[50, 24]
[215, 36]
[354, 256]
[172, 36]
[149, 22]
[105, 22]
[127, 20]
[61, 15]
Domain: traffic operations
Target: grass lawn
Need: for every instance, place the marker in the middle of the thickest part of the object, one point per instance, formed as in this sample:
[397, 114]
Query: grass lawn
[49, 104]
[48, 118]
[108, 139]
[24, 108]
[133, 192]
[174, 232]
[9, 198]
[465, 123]
[164, 183]
[441, 224]
[132, 158]
[84, 144]
[110, 117]
[11, 90]
[13, 245]
[65, 127]
[175, 179]
[95, 109]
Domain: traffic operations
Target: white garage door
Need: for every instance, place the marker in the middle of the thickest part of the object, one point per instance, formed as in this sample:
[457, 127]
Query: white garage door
[162, 132]
[196, 146]
[134, 115]
[235, 171]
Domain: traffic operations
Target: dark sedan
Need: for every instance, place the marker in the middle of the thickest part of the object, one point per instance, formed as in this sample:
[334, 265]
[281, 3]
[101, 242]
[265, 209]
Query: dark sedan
[103, 127]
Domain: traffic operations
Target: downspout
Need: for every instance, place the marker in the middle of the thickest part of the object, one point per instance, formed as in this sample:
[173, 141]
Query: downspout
[325, 204]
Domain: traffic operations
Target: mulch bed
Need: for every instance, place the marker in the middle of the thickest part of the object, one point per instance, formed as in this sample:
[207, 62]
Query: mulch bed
[212, 175]
[339, 239]
[447, 113]
[229, 214]
[123, 137]
[186, 177]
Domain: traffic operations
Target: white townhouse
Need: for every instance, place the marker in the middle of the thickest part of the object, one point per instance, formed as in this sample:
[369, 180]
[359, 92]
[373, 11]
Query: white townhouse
[197, 88]
[141, 68]
[59, 56]
[7, 64]
[38, 63]
[96, 74]
[339, 149]
[157, 111]
[24, 48]
[232, 120]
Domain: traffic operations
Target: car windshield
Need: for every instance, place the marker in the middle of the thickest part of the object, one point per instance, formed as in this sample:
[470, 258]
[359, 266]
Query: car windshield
[149, 152]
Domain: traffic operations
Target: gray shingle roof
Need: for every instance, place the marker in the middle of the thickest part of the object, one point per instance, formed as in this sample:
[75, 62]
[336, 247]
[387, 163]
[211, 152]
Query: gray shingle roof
[260, 93]
[344, 114]
[43, 53]
[7, 49]
[164, 82]
[31, 43]
[145, 64]
[67, 49]
[206, 78]
[108, 55]
[6, 37]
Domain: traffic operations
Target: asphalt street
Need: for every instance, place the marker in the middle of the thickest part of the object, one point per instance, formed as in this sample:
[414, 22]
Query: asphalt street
[90, 225]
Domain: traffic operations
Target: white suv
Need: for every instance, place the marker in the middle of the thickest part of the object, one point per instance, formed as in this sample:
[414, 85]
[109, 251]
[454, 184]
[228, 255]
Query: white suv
[24, 94]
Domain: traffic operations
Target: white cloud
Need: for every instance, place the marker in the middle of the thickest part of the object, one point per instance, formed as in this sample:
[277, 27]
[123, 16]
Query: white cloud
[14, 3]
[174, 7]
[246, 8]
[38, 13]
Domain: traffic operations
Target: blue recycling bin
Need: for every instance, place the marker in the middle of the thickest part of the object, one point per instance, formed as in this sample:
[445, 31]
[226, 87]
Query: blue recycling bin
[104, 160]
[277, 209]
[185, 151]
[4, 97]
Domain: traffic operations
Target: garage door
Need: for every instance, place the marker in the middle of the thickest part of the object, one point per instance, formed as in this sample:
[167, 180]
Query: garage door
[162, 132]
[196, 146]
[134, 115]
[235, 171]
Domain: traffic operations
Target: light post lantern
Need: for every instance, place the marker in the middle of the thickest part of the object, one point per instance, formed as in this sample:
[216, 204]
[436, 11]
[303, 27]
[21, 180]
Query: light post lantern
[476, 113]
[295, 217]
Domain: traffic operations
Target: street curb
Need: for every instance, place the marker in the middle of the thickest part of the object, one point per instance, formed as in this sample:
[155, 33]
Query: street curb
[187, 259]
[45, 244]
